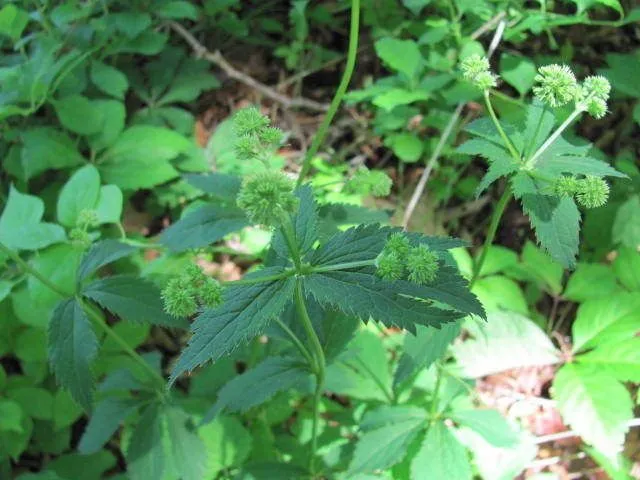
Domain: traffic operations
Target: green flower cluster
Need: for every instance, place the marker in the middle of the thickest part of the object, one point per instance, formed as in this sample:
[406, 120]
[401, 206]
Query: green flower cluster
[256, 138]
[399, 260]
[184, 294]
[590, 191]
[266, 196]
[476, 70]
[79, 236]
[369, 182]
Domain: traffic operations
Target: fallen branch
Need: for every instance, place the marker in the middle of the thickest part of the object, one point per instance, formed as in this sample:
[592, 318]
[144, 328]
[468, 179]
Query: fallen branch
[217, 59]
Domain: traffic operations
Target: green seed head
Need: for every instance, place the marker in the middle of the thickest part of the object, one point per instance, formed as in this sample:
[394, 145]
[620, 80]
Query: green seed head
[390, 266]
[422, 264]
[266, 196]
[210, 293]
[597, 107]
[557, 85]
[247, 147]
[566, 186]
[485, 80]
[476, 70]
[271, 136]
[178, 298]
[79, 238]
[249, 121]
[373, 182]
[397, 245]
[593, 192]
[597, 86]
[87, 218]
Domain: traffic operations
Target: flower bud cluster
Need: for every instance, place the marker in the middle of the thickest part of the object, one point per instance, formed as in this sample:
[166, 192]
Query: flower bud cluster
[399, 260]
[369, 182]
[266, 196]
[475, 69]
[184, 294]
[589, 192]
[256, 138]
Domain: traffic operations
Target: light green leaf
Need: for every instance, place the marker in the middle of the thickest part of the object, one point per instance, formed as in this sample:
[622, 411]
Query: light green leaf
[541, 268]
[609, 319]
[245, 312]
[187, 449]
[627, 268]
[394, 97]
[538, 124]
[145, 454]
[47, 148]
[499, 293]
[626, 226]
[506, 341]
[57, 264]
[595, 405]
[490, 424]
[620, 359]
[406, 146]
[441, 456]
[109, 206]
[228, 444]
[100, 254]
[109, 79]
[78, 114]
[518, 72]
[584, 5]
[415, 6]
[591, 281]
[79, 193]
[13, 21]
[10, 416]
[112, 126]
[65, 410]
[21, 227]
[104, 421]
[178, 10]
[403, 56]
[387, 433]
[72, 347]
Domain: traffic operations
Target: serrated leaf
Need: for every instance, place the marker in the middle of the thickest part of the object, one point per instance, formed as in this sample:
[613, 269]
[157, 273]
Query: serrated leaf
[538, 124]
[490, 424]
[258, 385]
[363, 295]
[145, 454]
[595, 405]
[424, 348]
[72, 347]
[441, 455]
[554, 165]
[104, 421]
[79, 193]
[333, 215]
[388, 432]
[131, 298]
[245, 312]
[202, 227]
[364, 242]
[620, 359]
[187, 449]
[101, 254]
[401, 55]
[305, 223]
[228, 444]
[222, 186]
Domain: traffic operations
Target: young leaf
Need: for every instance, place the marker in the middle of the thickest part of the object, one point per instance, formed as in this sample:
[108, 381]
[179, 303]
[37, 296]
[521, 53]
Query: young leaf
[104, 421]
[145, 454]
[80, 192]
[305, 223]
[258, 385]
[595, 405]
[401, 55]
[202, 227]
[539, 122]
[109, 206]
[387, 433]
[243, 314]
[131, 298]
[441, 456]
[101, 254]
[490, 424]
[72, 347]
[188, 451]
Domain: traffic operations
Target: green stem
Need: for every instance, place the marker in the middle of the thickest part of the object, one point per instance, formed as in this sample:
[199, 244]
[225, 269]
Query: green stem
[496, 122]
[493, 228]
[296, 341]
[292, 243]
[319, 370]
[554, 136]
[433, 410]
[343, 266]
[342, 89]
[270, 278]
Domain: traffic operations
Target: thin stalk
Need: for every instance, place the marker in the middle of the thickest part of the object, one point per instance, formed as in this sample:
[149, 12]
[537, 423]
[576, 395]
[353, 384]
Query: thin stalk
[496, 122]
[554, 136]
[270, 278]
[320, 368]
[290, 239]
[433, 410]
[493, 228]
[296, 341]
[533, 138]
[341, 90]
[343, 266]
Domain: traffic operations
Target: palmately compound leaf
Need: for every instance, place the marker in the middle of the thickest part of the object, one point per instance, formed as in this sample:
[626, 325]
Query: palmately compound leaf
[305, 224]
[101, 254]
[259, 384]
[501, 163]
[388, 431]
[187, 449]
[145, 453]
[203, 226]
[244, 313]
[72, 347]
[105, 420]
[441, 455]
[556, 221]
[595, 405]
[363, 295]
[131, 298]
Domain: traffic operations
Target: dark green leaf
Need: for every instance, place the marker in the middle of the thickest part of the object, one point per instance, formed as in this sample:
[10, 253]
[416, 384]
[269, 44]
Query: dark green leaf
[145, 455]
[78, 114]
[109, 79]
[104, 421]
[539, 121]
[333, 215]
[305, 222]
[79, 193]
[441, 456]
[188, 451]
[46, 148]
[101, 254]
[555, 165]
[364, 242]
[219, 185]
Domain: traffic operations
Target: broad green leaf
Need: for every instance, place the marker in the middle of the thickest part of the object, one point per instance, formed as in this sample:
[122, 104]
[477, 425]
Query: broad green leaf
[101, 254]
[584, 5]
[187, 449]
[105, 419]
[35, 402]
[10, 416]
[12, 443]
[617, 469]
[627, 268]
[421, 350]
[65, 410]
[589, 281]
[245, 312]
[490, 424]
[113, 125]
[109, 79]
[259, 384]
[364, 296]
[415, 6]
[13, 21]
[57, 264]
[387, 433]
[606, 320]
[406, 146]
[204, 226]
[364, 242]
[87, 467]
[620, 359]
[518, 72]
[72, 347]
[498, 260]
[79, 193]
[554, 165]
[30, 344]
[305, 223]
[228, 444]
[499, 293]
[145, 454]
[131, 298]
[222, 186]
[109, 206]
[78, 114]
[595, 405]
[178, 10]
[47, 148]
[506, 341]
[441, 456]
[403, 56]
[21, 226]
[626, 226]
[542, 269]
[623, 71]
[395, 97]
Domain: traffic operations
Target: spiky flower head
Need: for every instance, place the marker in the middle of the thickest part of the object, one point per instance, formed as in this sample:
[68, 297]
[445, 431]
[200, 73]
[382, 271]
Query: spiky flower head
[210, 293]
[485, 80]
[178, 298]
[270, 136]
[390, 266]
[557, 85]
[593, 192]
[596, 86]
[398, 245]
[422, 264]
[266, 196]
[247, 147]
[87, 218]
[597, 107]
[249, 121]
[370, 182]
[475, 69]
[79, 238]
[566, 186]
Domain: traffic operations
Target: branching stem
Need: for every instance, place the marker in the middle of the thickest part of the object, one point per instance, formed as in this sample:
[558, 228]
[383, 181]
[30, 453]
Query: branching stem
[505, 138]
[554, 136]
